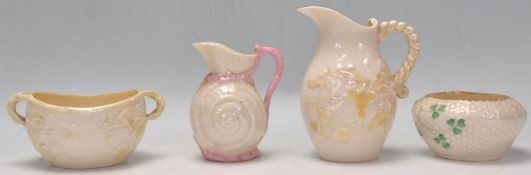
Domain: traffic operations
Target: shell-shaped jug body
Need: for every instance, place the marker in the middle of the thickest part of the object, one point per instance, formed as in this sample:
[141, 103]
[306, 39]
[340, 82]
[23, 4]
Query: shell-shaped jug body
[228, 114]
[228, 120]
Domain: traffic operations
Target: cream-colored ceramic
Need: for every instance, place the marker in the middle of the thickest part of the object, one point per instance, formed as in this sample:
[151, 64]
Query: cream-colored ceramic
[85, 131]
[468, 126]
[229, 117]
[349, 95]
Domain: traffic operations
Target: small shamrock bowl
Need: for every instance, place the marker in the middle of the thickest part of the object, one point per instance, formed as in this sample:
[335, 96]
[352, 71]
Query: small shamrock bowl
[468, 126]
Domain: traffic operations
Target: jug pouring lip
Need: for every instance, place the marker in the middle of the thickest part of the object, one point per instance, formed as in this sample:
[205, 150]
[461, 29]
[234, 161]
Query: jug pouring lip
[110, 100]
[317, 12]
[200, 46]
[220, 58]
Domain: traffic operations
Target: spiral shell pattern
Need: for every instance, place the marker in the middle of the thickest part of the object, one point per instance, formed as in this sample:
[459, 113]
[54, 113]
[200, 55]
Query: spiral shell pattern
[228, 117]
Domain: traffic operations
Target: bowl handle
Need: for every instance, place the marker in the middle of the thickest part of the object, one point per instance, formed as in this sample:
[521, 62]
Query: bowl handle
[12, 107]
[155, 114]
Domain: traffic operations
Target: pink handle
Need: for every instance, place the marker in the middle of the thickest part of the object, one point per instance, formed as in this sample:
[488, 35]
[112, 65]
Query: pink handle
[260, 51]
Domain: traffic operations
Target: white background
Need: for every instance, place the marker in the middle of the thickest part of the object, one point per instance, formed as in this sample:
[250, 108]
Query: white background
[101, 46]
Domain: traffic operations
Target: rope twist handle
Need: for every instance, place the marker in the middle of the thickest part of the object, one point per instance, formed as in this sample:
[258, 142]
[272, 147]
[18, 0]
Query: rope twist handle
[402, 75]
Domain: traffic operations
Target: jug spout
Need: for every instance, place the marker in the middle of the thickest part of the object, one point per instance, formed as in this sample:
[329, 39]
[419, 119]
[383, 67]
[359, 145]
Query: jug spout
[330, 21]
[222, 59]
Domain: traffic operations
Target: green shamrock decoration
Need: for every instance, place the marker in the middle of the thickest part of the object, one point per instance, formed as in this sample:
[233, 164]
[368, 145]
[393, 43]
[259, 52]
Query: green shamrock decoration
[436, 110]
[457, 125]
[457, 128]
[441, 140]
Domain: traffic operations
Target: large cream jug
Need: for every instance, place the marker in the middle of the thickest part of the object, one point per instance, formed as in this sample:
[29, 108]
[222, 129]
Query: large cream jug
[349, 95]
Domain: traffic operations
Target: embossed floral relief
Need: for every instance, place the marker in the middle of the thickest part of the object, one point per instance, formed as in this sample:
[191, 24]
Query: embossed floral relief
[136, 122]
[36, 130]
[48, 131]
[116, 126]
[344, 101]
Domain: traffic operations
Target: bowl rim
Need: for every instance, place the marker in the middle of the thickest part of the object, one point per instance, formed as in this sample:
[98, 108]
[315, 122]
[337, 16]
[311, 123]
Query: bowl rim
[131, 96]
[468, 96]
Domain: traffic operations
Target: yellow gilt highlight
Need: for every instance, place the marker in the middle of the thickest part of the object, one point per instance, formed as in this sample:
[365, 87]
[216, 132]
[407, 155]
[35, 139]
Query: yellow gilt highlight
[362, 100]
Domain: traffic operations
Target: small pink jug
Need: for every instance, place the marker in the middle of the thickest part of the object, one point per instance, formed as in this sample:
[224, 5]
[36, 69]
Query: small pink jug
[229, 118]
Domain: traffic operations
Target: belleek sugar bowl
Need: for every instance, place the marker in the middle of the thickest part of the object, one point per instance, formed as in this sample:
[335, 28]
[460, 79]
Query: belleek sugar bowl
[85, 131]
[468, 126]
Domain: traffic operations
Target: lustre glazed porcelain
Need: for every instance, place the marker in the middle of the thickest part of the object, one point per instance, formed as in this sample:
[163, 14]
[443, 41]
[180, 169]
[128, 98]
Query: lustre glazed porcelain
[85, 131]
[229, 118]
[349, 95]
[468, 126]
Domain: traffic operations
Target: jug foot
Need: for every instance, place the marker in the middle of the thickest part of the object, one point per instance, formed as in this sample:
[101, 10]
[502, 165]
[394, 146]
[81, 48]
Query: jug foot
[73, 165]
[219, 156]
[348, 159]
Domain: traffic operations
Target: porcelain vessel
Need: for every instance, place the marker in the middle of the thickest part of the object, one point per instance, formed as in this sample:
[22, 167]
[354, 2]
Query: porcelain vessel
[228, 116]
[348, 94]
[78, 132]
[468, 126]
